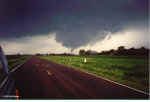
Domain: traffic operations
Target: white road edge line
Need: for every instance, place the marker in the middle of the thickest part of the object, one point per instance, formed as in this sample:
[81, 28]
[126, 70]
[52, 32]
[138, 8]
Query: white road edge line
[4, 81]
[14, 69]
[104, 79]
[114, 82]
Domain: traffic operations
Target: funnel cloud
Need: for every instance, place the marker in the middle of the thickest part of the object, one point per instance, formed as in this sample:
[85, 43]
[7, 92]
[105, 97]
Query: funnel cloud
[76, 23]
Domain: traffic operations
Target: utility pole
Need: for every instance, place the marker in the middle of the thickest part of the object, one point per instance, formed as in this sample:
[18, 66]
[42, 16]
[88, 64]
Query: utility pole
[4, 61]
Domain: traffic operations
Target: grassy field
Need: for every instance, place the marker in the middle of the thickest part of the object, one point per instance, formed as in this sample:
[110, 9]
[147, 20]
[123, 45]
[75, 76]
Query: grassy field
[131, 71]
[13, 61]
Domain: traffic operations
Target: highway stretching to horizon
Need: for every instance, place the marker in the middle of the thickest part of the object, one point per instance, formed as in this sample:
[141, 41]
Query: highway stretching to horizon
[43, 79]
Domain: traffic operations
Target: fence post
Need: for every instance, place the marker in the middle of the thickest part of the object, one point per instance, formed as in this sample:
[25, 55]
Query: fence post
[4, 61]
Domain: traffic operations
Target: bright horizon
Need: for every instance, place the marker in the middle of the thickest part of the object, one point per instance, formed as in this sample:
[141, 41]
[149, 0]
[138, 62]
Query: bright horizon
[59, 27]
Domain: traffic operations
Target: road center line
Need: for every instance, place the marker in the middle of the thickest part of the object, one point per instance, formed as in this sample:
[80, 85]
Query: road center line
[48, 72]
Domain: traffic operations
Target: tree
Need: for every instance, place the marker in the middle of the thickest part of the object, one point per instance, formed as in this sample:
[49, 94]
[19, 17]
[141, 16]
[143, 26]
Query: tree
[121, 48]
[82, 52]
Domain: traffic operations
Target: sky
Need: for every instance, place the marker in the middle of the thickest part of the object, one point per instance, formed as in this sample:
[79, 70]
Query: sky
[58, 26]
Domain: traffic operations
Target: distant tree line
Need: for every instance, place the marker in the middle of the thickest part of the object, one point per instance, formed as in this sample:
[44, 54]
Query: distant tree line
[120, 51]
[88, 52]
[53, 54]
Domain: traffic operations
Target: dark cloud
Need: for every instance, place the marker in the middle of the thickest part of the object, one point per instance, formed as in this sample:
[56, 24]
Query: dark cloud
[76, 22]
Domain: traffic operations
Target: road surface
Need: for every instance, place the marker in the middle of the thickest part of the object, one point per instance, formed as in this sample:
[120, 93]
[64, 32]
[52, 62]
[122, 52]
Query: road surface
[43, 79]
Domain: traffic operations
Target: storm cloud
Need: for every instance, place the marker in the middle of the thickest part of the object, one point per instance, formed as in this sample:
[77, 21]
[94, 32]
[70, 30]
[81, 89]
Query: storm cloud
[75, 22]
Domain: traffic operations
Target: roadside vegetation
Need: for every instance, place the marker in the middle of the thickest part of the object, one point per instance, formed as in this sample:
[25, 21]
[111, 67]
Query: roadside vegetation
[13, 61]
[129, 70]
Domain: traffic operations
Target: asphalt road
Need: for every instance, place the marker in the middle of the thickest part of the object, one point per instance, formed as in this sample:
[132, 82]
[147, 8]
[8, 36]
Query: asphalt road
[42, 79]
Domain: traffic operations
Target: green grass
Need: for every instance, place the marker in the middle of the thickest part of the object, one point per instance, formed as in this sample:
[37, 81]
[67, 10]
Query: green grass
[131, 71]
